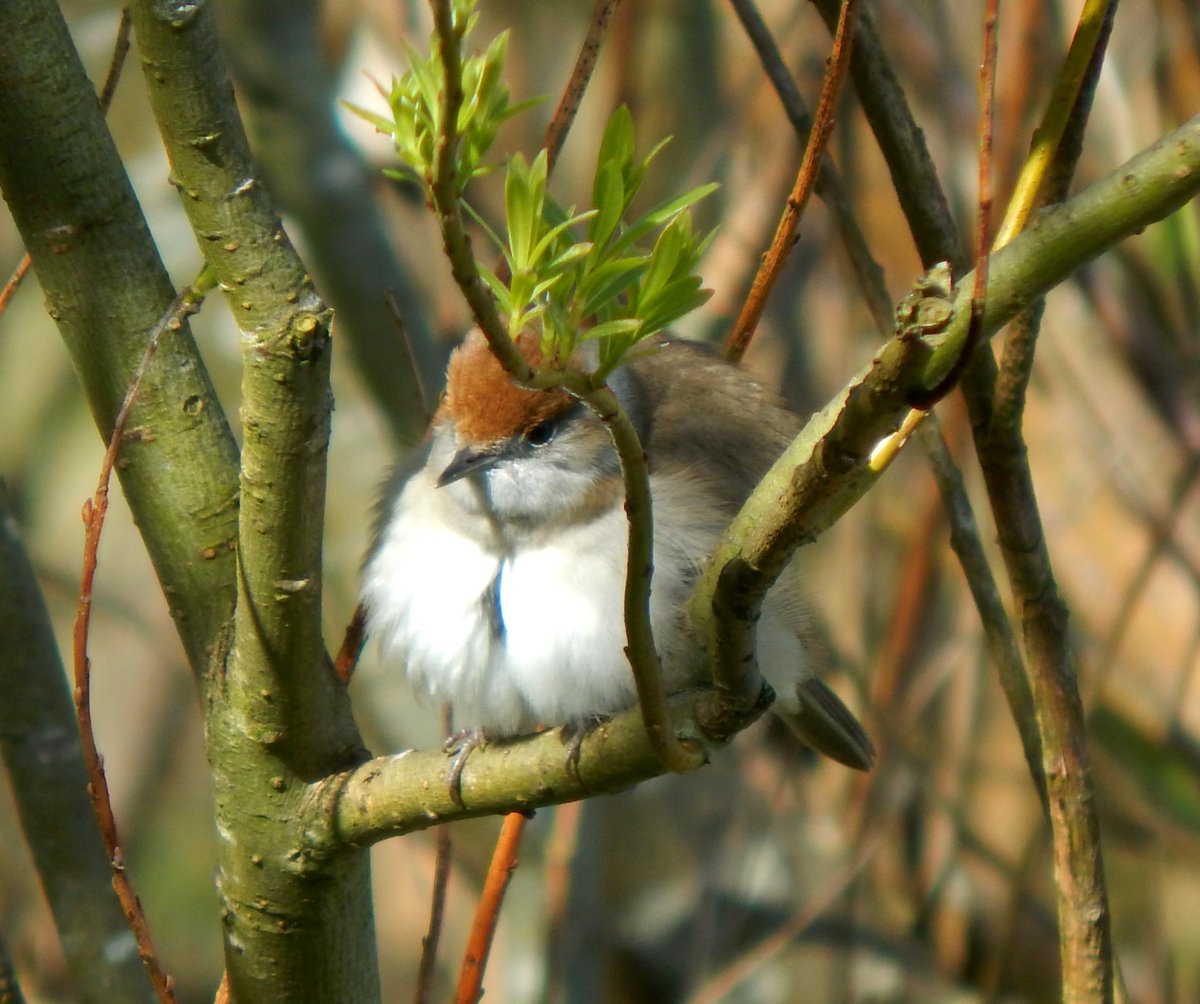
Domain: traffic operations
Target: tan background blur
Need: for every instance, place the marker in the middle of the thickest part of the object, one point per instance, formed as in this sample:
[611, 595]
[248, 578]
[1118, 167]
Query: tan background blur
[933, 873]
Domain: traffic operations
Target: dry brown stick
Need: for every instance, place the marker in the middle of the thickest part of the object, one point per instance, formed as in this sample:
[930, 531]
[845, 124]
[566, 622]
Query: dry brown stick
[487, 911]
[94, 510]
[437, 910]
[585, 63]
[806, 177]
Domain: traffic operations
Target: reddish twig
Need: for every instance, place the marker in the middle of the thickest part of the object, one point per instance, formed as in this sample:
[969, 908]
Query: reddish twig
[14, 281]
[487, 911]
[806, 178]
[94, 510]
[352, 645]
[983, 212]
[585, 63]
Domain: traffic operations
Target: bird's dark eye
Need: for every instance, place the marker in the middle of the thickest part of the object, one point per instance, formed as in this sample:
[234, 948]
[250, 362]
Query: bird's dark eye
[542, 433]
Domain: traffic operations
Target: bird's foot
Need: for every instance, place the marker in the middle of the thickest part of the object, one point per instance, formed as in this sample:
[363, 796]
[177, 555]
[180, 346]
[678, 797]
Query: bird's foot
[573, 735]
[460, 745]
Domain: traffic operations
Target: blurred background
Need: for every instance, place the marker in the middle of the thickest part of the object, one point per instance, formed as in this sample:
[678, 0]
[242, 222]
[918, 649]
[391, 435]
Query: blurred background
[769, 876]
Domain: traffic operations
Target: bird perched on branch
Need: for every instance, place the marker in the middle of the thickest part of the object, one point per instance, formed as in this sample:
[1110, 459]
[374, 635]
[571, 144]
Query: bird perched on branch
[497, 572]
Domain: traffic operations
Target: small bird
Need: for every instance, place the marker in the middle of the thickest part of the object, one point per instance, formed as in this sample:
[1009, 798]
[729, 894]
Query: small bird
[497, 571]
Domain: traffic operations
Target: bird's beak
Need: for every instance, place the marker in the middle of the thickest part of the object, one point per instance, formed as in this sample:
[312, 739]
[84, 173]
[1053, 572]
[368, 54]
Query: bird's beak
[465, 461]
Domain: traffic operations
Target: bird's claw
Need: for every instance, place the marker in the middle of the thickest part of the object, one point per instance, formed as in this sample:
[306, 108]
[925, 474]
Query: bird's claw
[573, 735]
[460, 745]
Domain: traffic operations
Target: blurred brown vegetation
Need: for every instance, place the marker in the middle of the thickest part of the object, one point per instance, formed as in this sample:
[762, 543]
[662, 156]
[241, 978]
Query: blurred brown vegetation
[928, 880]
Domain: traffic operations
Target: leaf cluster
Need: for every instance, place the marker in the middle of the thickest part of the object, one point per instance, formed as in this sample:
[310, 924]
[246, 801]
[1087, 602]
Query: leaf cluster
[590, 275]
[415, 102]
[568, 276]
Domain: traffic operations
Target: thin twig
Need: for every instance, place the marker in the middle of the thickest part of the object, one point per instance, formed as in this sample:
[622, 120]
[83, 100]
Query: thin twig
[117, 63]
[806, 177]
[352, 645]
[94, 511]
[423, 993]
[585, 63]
[14, 281]
[487, 911]
[640, 650]
[1085, 937]
[721, 986]
[983, 210]
[828, 187]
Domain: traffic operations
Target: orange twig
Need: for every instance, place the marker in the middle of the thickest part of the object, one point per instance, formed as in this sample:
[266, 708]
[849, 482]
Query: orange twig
[352, 645]
[94, 510]
[487, 911]
[806, 178]
[14, 281]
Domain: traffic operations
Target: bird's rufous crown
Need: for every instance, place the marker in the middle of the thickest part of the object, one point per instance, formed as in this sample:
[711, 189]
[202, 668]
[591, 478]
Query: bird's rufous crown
[484, 403]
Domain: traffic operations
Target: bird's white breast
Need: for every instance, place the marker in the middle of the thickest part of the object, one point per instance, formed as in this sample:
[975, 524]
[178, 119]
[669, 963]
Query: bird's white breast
[514, 637]
[511, 640]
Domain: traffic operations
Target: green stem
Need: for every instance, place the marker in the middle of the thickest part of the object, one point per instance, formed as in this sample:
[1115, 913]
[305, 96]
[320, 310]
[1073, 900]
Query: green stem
[639, 633]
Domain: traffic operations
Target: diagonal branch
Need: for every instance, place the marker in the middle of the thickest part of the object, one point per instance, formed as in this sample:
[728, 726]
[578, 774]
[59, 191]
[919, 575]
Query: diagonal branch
[826, 470]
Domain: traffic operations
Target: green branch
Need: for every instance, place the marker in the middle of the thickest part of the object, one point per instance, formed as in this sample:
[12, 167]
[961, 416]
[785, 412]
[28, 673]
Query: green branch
[106, 288]
[277, 717]
[825, 470]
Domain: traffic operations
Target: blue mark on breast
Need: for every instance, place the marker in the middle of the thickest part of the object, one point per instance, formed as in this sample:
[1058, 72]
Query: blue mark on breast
[494, 608]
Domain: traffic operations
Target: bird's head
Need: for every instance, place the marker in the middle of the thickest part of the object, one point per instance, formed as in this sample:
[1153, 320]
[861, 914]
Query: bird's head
[535, 456]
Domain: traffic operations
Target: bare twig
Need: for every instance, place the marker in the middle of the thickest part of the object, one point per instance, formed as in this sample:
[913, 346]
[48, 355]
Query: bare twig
[828, 185]
[352, 645]
[585, 63]
[487, 911]
[785, 233]
[1085, 939]
[423, 993]
[14, 281]
[640, 650]
[725, 982]
[94, 511]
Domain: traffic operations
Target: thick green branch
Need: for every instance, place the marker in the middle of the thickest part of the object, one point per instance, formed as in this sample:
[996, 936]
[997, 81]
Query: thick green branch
[827, 469]
[295, 927]
[393, 795]
[106, 288]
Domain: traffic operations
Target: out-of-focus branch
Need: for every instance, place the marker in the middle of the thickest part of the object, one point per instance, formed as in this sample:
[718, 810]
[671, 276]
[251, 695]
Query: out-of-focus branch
[317, 175]
[742, 331]
[581, 73]
[49, 783]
